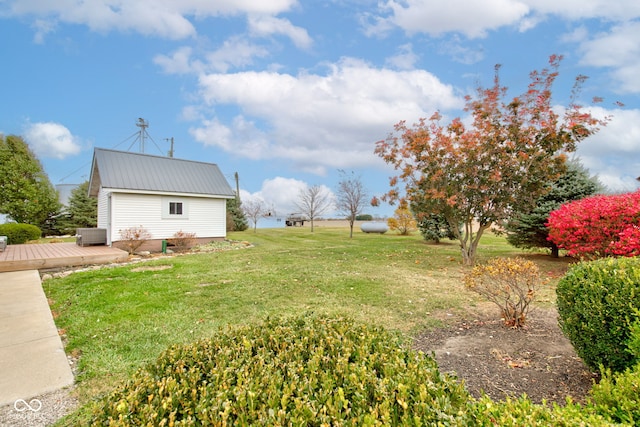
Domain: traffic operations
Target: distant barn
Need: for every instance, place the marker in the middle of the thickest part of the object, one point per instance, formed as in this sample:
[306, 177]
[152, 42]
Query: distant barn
[164, 195]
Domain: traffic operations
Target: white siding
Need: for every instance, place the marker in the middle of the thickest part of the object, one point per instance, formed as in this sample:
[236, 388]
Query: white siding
[206, 216]
[103, 215]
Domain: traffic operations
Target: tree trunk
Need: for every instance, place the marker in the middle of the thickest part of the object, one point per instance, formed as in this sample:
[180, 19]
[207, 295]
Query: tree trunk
[468, 258]
[469, 243]
[555, 251]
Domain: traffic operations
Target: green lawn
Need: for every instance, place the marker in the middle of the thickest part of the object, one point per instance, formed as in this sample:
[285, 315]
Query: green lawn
[117, 319]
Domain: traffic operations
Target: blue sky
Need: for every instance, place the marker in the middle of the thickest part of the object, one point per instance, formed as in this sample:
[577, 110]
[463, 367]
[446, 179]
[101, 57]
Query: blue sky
[286, 93]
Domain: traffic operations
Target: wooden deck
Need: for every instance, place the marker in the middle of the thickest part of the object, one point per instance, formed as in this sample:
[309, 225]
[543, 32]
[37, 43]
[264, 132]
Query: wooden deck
[56, 255]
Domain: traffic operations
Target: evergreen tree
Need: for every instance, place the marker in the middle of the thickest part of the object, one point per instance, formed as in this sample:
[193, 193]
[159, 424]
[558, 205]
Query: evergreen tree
[82, 211]
[528, 229]
[434, 227]
[236, 220]
[26, 194]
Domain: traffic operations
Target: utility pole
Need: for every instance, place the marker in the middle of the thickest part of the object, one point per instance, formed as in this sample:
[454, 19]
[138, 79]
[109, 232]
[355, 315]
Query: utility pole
[237, 186]
[171, 149]
[143, 125]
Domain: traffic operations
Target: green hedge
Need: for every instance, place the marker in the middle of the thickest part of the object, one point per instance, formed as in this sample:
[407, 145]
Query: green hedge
[306, 371]
[317, 371]
[522, 412]
[617, 396]
[19, 233]
[598, 303]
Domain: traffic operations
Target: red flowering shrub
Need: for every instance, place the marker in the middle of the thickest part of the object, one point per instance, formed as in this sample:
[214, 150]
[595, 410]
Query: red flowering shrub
[598, 226]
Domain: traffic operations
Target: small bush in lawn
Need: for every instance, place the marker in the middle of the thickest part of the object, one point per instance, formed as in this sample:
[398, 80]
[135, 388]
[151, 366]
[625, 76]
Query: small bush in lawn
[182, 241]
[304, 371]
[598, 305]
[18, 234]
[510, 283]
[134, 237]
[402, 220]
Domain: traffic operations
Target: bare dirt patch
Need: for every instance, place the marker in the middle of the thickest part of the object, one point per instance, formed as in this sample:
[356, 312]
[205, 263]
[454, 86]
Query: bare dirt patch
[490, 358]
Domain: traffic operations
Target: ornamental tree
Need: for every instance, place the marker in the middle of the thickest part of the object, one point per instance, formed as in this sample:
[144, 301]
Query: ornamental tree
[528, 229]
[478, 174]
[598, 226]
[402, 220]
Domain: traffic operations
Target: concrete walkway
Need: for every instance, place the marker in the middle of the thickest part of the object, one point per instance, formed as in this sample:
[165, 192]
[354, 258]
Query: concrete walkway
[32, 358]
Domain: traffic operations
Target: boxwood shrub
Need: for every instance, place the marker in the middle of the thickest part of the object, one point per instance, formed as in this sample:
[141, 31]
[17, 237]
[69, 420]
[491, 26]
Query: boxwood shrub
[617, 396]
[306, 371]
[598, 304]
[19, 233]
[318, 371]
[522, 412]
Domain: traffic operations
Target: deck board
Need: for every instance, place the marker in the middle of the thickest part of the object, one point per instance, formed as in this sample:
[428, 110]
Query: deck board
[57, 255]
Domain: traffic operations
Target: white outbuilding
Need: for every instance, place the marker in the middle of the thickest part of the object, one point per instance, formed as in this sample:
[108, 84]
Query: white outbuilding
[163, 195]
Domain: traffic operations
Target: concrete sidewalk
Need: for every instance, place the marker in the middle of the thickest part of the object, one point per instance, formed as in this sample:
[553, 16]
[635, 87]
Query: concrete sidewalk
[32, 358]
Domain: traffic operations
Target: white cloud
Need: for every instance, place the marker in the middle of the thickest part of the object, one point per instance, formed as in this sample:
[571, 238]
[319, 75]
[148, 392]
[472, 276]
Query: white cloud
[42, 27]
[577, 35]
[462, 52]
[168, 18]
[178, 62]
[615, 10]
[282, 194]
[475, 18]
[612, 152]
[619, 48]
[405, 59]
[264, 25]
[235, 52]
[212, 132]
[472, 18]
[321, 121]
[51, 140]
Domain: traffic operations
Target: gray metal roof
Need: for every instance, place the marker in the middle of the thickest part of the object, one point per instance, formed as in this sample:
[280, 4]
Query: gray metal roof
[143, 172]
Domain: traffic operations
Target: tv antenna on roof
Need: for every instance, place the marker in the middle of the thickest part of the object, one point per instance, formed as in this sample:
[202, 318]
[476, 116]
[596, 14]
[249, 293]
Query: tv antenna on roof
[143, 125]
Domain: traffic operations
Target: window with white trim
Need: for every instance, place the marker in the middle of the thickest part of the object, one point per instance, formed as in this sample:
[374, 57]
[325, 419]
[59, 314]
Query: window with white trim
[174, 208]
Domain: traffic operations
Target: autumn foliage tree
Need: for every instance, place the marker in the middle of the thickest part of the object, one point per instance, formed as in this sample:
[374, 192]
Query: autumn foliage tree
[402, 220]
[598, 226]
[477, 174]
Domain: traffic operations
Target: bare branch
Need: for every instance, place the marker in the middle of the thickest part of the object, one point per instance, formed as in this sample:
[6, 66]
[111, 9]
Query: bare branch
[314, 201]
[351, 197]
